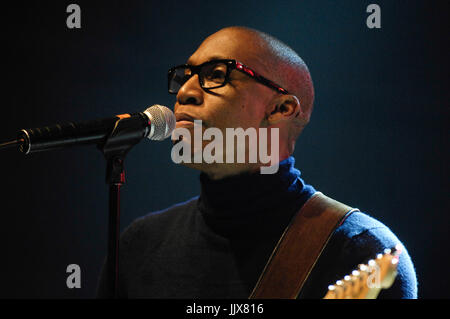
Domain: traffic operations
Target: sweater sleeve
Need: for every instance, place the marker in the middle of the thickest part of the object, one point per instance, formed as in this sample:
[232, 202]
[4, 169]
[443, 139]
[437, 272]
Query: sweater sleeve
[405, 284]
[357, 240]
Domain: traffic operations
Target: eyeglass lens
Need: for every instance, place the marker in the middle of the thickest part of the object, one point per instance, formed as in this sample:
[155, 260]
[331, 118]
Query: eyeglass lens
[211, 75]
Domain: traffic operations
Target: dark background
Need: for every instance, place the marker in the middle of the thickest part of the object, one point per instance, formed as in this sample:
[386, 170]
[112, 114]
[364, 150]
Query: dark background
[378, 138]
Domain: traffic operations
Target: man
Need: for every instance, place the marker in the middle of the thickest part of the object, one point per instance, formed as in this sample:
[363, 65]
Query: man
[216, 245]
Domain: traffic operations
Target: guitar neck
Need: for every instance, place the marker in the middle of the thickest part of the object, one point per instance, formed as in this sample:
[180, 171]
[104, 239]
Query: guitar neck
[367, 280]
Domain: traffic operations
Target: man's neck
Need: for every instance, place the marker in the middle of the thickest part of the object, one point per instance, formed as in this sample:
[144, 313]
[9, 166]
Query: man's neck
[217, 171]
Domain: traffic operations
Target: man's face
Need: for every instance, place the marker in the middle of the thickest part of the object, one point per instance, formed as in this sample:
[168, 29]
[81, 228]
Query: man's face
[240, 103]
[237, 104]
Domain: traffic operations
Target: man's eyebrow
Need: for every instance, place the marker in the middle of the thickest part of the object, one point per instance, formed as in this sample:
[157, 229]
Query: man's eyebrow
[215, 57]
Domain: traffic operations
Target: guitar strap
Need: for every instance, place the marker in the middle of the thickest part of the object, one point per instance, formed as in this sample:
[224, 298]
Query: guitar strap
[300, 247]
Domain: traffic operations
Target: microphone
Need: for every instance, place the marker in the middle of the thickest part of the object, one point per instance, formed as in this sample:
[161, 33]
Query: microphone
[156, 123]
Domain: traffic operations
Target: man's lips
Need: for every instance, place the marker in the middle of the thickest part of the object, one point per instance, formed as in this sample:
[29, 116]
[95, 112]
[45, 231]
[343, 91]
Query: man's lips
[185, 119]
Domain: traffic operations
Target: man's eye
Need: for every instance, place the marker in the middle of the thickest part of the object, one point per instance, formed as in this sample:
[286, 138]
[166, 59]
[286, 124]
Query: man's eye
[217, 74]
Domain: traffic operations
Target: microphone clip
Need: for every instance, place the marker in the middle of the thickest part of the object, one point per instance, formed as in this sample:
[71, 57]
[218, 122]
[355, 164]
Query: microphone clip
[127, 132]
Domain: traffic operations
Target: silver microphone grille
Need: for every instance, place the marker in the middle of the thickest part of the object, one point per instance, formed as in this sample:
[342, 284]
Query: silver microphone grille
[162, 120]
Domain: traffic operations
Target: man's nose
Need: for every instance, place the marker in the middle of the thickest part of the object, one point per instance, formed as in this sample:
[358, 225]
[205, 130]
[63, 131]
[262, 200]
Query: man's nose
[191, 92]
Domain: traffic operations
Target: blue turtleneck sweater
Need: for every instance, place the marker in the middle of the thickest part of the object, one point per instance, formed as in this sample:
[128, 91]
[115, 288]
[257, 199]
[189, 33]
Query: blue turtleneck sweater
[217, 244]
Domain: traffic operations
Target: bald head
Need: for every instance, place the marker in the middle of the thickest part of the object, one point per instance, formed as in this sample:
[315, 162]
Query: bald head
[278, 62]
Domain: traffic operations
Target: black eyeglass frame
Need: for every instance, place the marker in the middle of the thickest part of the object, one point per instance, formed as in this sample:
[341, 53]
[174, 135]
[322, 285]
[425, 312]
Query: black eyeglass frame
[231, 65]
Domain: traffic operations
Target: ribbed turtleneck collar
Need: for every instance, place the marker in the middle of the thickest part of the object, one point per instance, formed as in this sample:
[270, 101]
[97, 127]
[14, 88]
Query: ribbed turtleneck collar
[252, 201]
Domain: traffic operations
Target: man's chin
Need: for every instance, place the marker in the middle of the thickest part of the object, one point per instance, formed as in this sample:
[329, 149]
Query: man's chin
[221, 170]
[203, 167]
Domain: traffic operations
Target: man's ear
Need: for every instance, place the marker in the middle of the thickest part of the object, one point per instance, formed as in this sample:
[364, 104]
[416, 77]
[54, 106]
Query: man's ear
[284, 108]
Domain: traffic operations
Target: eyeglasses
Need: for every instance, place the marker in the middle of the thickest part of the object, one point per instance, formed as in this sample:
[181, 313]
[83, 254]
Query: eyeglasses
[214, 74]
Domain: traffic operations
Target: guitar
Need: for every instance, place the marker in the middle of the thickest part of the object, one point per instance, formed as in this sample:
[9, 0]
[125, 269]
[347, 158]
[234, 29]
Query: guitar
[367, 281]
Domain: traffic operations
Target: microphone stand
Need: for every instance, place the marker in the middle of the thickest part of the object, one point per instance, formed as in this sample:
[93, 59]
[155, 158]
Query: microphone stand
[127, 132]
[124, 136]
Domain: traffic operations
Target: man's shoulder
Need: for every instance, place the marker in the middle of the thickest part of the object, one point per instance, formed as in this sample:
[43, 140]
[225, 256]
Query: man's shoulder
[170, 212]
[360, 238]
[360, 232]
[364, 236]
[158, 222]
[358, 224]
